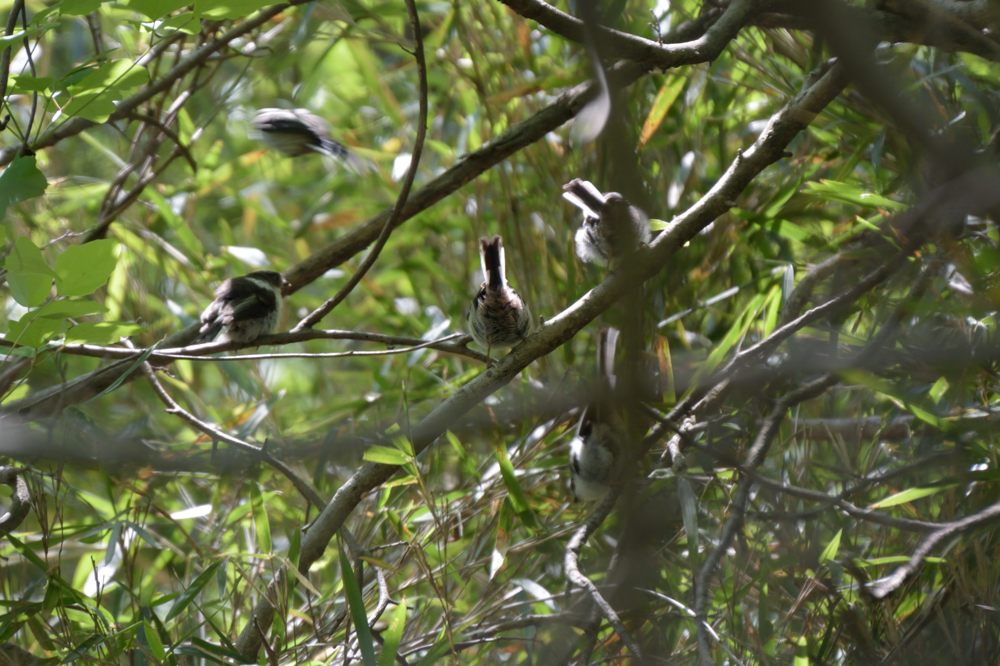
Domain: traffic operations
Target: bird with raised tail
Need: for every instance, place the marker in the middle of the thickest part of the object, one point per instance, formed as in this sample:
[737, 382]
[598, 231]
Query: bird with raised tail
[612, 227]
[497, 317]
[244, 308]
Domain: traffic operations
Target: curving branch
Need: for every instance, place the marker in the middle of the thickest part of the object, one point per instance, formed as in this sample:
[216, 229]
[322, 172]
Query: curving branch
[576, 577]
[259, 452]
[770, 146]
[625, 45]
[396, 215]
[883, 587]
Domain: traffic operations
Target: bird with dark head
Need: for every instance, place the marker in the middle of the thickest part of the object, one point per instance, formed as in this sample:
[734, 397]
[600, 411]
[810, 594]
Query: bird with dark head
[497, 316]
[244, 308]
[595, 446]
[295, 132]
[612, 227]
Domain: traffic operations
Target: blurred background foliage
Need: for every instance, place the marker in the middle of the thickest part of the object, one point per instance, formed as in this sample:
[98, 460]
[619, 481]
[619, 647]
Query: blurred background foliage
[147, 543]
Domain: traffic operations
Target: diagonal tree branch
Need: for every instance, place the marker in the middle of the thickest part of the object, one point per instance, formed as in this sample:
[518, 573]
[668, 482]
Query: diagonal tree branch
[785, 125]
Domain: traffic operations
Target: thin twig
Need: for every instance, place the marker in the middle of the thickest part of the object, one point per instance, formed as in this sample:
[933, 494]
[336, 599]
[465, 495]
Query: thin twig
[770, 146]
[451, 344]
[883, 587]
[395, 217]
[573, 573]
[173, 407]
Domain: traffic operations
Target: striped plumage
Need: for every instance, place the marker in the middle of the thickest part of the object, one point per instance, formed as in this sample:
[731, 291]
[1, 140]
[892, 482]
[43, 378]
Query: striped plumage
[497, 316]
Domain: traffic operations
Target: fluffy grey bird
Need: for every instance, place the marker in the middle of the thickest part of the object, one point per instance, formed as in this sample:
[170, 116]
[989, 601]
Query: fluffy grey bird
[244, 308]
[593, 449]
[297, 132]
[497, 316]
[612, 227]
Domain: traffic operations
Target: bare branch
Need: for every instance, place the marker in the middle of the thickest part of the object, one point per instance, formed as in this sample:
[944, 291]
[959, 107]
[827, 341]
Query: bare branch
[173, 407]
[768, 148]
[882, 588]
[395, 217]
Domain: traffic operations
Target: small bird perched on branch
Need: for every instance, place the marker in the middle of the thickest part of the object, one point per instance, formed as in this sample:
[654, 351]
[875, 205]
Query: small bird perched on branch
[297, 132]
[244, 308]
[497, 316]
[593, 450]
[612, 227]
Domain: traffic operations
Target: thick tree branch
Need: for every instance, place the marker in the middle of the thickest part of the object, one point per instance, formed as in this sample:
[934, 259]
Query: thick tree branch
[819, 91]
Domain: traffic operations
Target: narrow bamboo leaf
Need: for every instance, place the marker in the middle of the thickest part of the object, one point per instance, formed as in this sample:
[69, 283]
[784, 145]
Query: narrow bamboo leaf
[909, 495]
[938, 390]
[261, 521]
[848, 193]
[665, 99]
[357, 605]
[689, 515]
[386, 455]
[187, 596]
[154, 643]
[832, 548]
[515, 493]
[393, 634]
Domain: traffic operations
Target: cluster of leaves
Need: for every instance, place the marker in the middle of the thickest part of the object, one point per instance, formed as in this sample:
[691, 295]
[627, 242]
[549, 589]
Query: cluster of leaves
[148, 543]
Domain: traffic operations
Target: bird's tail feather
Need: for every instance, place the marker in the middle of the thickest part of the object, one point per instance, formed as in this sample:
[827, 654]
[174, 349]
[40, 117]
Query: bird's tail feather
[491, 255]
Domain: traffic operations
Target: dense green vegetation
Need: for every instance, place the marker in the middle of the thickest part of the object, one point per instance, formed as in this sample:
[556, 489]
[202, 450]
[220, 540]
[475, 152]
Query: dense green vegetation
[811, 477]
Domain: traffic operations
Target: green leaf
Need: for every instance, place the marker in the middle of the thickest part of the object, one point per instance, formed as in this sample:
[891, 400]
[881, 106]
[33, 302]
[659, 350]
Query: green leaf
[117, 75]
[832, 548]
[83, 269]
[29, 277]
[93, 95]
[357, 605]
[801, 652]
[63, 309]
[33, 331]
[515, 493]
[848, 193]
[186, 22]
[791, 231]
[939, 388]
[393, 634]
[20, 181]
[909, 495]
[229, 9]
[261, 521]
[26, 83]
[185, 598]
[665, 99]
[924, 415]
[155, 9]
[101, 333]
[689, 515]
[180, 226]
[79, 7]
[386, 455]
[153, 641]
